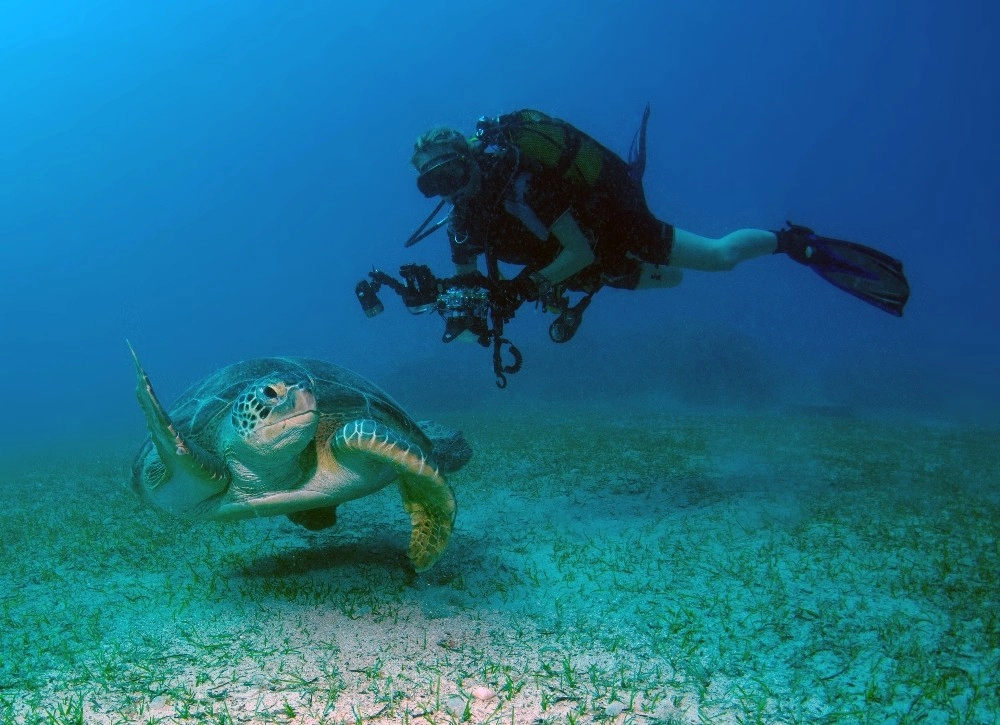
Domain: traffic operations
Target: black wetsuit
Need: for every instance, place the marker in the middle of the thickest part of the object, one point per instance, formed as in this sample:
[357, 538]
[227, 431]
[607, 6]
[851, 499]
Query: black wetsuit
[519, 201]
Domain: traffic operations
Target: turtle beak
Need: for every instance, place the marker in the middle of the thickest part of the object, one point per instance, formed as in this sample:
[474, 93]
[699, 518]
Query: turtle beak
[291, 422]
[286, 432]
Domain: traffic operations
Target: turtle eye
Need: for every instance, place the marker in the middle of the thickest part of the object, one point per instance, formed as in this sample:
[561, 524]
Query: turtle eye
[269, 392]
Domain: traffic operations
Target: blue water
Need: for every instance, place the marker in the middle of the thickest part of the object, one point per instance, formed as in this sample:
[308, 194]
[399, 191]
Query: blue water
[210, 179]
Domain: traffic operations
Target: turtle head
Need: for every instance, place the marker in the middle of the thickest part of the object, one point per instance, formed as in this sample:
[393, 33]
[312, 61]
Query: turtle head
[275, 417]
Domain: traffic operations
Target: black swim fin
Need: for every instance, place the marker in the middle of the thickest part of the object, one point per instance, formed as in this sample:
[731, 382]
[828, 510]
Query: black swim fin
[866, 273]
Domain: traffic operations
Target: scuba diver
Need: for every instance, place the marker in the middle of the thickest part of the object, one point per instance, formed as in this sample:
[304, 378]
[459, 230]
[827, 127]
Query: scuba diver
[534, 191]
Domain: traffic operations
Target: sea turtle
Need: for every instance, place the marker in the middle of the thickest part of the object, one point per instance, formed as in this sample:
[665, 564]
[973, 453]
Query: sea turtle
[293, 436]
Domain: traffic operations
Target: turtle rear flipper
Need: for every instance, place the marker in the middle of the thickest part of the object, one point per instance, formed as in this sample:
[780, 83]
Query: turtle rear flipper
[427, 497]
[451, 451]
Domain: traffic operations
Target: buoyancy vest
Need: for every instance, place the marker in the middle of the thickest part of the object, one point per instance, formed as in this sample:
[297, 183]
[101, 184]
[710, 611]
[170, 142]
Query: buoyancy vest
[554, 145]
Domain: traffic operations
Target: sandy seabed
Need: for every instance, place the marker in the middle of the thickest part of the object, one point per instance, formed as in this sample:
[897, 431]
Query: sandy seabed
[641, 567]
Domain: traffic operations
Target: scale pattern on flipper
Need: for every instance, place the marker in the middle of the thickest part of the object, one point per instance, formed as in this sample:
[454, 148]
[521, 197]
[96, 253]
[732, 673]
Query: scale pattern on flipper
[373, 437]
[427, 497]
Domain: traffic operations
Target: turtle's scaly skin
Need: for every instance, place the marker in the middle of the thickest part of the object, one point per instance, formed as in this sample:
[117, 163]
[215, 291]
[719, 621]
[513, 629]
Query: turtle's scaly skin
[293, 436]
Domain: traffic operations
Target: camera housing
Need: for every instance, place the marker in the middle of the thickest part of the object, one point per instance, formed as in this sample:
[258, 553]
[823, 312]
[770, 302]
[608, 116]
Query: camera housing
[468, 306]
[464, 310]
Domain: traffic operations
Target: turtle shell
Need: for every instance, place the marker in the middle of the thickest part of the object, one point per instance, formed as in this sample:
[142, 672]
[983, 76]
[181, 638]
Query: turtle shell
[340, 394]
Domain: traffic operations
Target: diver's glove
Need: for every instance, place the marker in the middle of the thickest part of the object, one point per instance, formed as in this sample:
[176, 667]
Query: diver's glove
[527, 286]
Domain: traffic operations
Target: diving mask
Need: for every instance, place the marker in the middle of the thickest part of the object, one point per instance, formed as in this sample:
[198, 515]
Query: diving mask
[445, 175]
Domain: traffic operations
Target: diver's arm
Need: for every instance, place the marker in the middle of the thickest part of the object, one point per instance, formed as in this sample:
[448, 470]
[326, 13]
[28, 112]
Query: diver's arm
[576, 252]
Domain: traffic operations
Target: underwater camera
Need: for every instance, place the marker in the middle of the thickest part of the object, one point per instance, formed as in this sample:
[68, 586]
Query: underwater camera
[463, 302]
[464, 310]
[469, 309]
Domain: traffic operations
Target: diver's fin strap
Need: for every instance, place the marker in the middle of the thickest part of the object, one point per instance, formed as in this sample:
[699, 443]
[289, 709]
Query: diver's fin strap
[637, 151]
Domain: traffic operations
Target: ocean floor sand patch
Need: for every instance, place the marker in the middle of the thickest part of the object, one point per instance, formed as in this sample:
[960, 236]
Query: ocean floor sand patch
[643, 568]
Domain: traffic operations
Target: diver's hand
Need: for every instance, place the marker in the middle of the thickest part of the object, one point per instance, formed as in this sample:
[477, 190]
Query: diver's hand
[506, 298]
[529, 285]
[511, 293]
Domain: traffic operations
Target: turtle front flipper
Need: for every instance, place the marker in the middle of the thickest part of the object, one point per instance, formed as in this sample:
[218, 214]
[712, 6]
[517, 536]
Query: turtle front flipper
[173, 473]
[427, 497]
